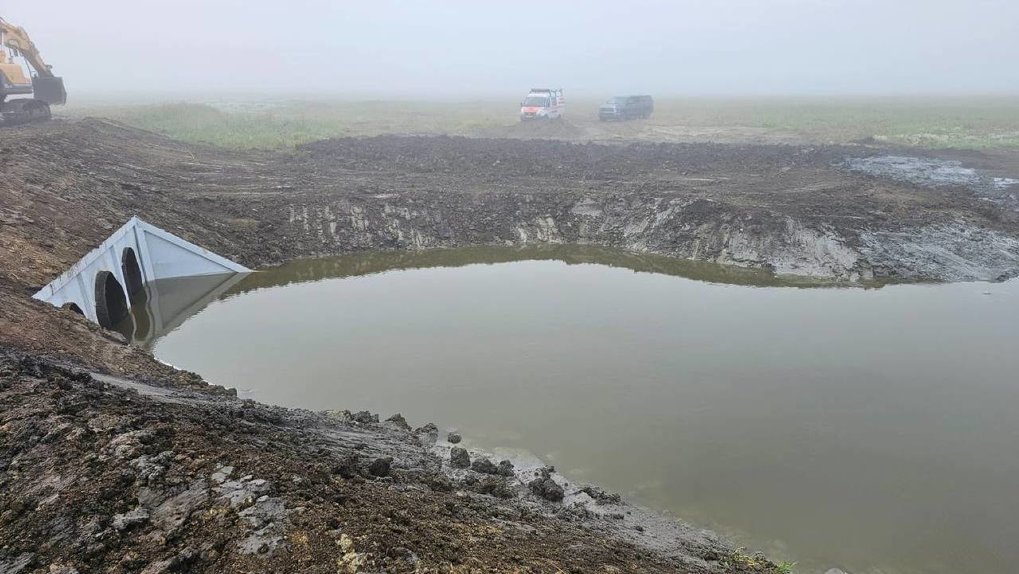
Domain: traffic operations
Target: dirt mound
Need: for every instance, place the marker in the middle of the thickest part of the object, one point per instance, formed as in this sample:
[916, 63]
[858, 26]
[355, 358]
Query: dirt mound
[561, 129]
[66, 185]
[496, 158]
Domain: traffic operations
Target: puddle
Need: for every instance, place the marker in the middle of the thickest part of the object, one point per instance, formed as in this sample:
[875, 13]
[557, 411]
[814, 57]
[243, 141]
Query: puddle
[868, 429]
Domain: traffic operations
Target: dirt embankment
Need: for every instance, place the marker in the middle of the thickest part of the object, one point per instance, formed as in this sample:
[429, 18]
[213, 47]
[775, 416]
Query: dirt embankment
[799, 210]
[92, 474]
[792, 210]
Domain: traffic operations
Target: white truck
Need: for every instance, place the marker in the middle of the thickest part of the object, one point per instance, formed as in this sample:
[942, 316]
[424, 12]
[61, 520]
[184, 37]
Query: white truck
[543, 104]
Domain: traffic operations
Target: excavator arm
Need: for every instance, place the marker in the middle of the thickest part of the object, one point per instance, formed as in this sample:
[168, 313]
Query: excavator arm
[15, 38]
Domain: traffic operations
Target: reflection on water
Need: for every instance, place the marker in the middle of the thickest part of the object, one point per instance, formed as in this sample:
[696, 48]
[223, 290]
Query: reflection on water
[369, 263]
[167, 303]
[868, 429]
[164, 304]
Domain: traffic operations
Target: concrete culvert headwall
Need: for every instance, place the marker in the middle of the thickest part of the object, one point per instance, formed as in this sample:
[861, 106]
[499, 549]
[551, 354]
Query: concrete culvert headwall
[107, 281]
[111, 301]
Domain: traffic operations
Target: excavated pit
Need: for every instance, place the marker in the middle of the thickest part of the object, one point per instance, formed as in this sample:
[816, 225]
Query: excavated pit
[805, 211]
[790, 210]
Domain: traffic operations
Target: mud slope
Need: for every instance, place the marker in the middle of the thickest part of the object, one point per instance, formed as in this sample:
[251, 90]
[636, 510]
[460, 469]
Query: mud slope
[97, 476]
[791, 209]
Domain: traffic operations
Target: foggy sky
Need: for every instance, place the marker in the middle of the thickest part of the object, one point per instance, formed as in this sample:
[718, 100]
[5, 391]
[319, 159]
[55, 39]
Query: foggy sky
[476, 48]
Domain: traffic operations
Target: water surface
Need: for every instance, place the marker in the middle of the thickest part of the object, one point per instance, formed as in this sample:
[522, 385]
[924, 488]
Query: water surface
[869, 429]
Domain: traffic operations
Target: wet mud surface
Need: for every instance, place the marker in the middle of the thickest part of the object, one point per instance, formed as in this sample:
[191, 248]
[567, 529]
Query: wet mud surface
[81, 491]
[102, 474]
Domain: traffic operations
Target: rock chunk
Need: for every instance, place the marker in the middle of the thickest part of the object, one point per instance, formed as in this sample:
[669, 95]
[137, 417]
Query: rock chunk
[381, 466]
[399, 422]
[545, 487]
[131, 518]
[484, 466]
[458, 457]
[505, 468]
[600, 496]
[428, 434]
[222, 473]
[439, 483]
[365, 418]
[494, 486]
[454, 437]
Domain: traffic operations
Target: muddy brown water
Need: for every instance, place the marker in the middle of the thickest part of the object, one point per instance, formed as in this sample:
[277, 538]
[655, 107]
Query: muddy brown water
[873, 430]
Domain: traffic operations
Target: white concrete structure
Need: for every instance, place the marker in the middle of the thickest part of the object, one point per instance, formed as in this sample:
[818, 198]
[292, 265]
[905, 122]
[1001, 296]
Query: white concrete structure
[101, 285]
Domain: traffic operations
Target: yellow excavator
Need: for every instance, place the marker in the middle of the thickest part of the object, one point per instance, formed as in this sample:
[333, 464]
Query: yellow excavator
[46, 89]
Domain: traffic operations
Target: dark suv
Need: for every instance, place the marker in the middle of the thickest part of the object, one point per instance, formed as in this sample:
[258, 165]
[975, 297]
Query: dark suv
[626, 108]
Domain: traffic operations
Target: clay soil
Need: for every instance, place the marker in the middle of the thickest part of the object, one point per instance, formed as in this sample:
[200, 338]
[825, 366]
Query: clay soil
[104, 476]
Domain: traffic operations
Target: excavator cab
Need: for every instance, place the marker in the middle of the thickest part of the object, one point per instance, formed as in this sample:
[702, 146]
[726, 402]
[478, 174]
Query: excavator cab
[13, 80]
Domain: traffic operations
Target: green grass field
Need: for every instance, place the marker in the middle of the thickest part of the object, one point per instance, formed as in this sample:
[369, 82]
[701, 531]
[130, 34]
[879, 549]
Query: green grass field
[289, 123]
[939, 123]
[974, 123]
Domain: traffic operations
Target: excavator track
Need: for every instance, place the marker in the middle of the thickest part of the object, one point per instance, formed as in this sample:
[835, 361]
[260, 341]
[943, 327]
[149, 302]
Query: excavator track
[25, 110]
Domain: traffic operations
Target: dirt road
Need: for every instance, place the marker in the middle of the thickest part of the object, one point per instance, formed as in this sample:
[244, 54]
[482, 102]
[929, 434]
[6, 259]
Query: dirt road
[69, 500]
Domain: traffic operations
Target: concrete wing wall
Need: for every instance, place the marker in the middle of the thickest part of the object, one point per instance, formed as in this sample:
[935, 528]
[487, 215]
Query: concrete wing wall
[160, 255]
